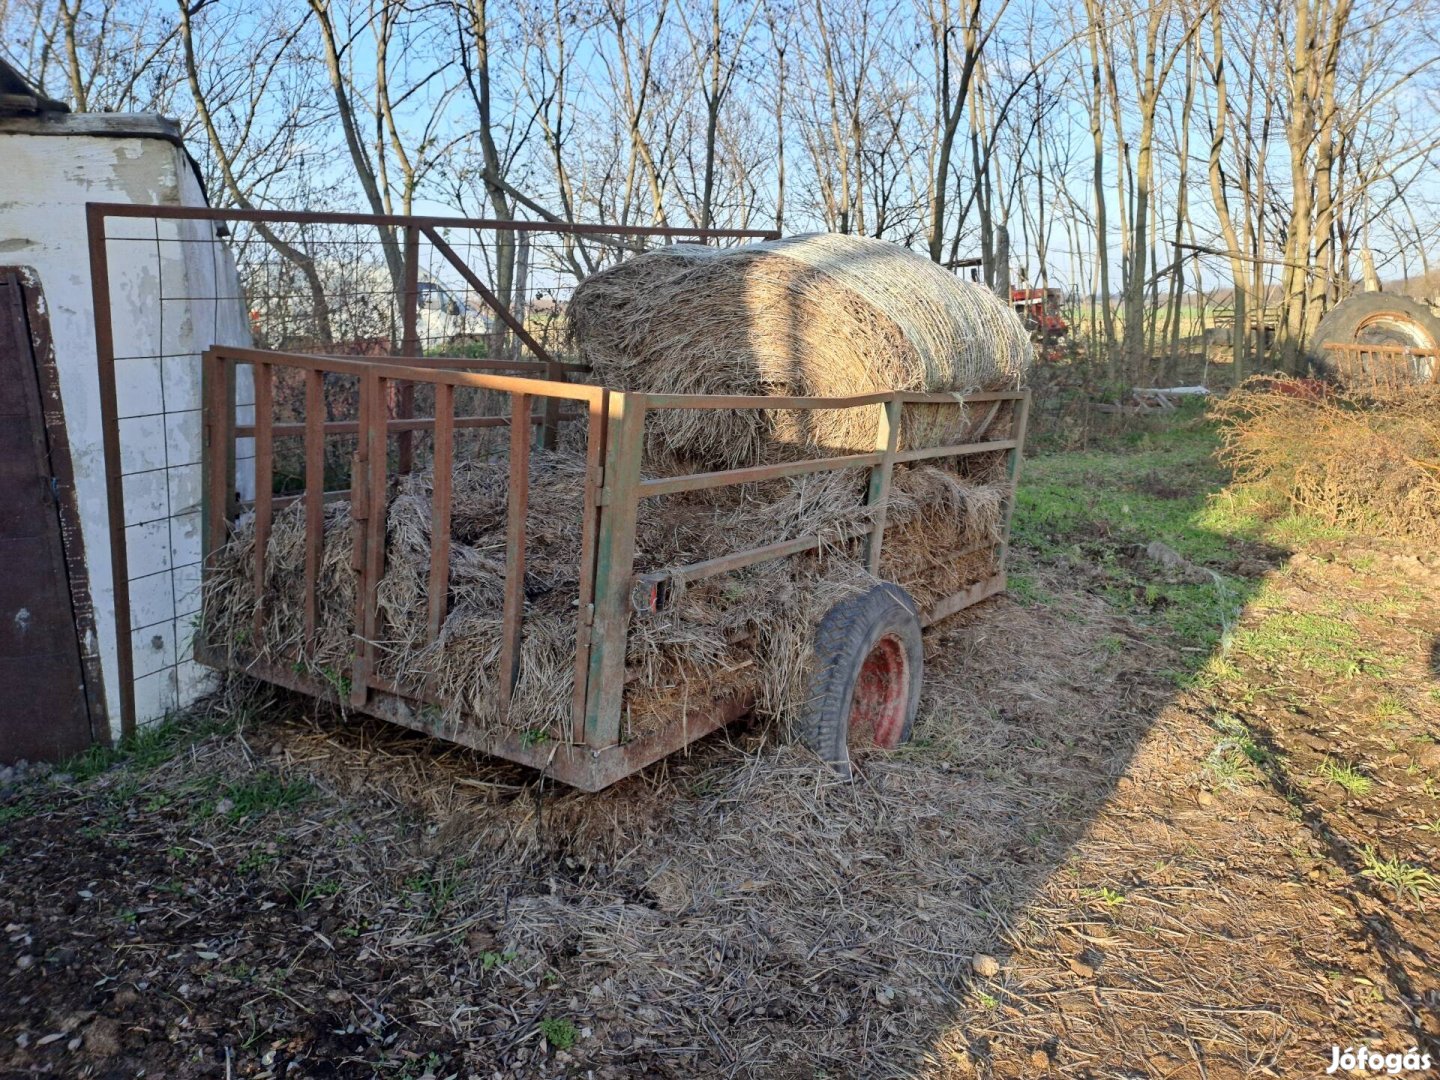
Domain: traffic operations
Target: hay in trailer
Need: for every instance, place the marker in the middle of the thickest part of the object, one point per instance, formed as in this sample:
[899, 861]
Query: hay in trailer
[824, 315]
[744, 632]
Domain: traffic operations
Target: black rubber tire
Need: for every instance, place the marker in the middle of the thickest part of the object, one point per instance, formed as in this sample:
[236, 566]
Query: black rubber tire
[1376, 318]
[883, 620]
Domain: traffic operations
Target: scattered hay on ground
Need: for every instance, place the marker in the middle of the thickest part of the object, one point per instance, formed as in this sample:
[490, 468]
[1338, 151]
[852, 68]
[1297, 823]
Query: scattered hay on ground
[822, 315]
[735, 910]
[1363, 461]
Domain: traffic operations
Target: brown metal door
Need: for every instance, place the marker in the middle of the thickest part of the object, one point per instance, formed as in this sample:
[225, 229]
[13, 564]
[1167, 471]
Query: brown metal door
[44, 710]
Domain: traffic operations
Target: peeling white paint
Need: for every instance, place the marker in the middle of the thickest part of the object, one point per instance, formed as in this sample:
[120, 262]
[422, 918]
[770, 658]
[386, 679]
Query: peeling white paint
[54, 175]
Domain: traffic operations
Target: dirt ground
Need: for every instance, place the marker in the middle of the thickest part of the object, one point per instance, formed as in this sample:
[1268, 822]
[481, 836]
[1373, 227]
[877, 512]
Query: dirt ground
[1117, 847]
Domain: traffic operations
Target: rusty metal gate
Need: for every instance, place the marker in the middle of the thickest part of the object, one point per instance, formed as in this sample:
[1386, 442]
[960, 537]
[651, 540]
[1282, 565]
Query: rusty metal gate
[1363, 366]
[44, 603]
[332, 295]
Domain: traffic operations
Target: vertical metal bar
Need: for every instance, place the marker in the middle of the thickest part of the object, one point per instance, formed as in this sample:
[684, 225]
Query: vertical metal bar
[114, 481]
[314, 497]
[550, 411]
[614, 567]
[360, 516]
[1017, 455]
[264, 485]
[585, 611]
[887, 438]
[359, 512]
[373, 433]
[440, 506]
[218, 421]
[410, 342]
[516, 507]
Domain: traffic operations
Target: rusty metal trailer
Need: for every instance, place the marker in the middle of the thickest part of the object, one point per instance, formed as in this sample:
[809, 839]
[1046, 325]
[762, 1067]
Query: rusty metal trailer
[595, 751]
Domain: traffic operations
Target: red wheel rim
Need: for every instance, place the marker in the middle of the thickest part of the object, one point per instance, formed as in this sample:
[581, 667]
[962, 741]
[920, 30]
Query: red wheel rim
[877, 709]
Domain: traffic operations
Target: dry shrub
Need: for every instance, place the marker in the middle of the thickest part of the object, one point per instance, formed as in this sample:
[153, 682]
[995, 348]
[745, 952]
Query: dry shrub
[823, 316]
[1363, 461]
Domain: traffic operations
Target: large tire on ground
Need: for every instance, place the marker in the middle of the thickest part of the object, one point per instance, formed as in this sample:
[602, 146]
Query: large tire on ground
[869, 663]
[1375, 319]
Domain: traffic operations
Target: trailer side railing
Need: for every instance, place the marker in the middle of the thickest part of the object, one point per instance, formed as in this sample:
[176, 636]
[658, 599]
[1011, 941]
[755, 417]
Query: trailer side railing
[1383, 367]
[619, 591]
[596, 750]
[370, 480]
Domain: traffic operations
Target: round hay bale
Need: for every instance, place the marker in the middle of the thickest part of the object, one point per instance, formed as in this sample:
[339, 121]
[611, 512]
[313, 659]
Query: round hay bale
[823, 315]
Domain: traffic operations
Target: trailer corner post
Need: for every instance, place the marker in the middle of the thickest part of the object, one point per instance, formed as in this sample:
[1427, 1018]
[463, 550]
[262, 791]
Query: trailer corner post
[614, 567]
[597, 412]
[370, 480]
[887, 439]
[1017, 454]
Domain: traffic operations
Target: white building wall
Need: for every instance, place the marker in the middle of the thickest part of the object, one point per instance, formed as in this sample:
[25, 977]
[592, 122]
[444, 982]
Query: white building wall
[174, 292]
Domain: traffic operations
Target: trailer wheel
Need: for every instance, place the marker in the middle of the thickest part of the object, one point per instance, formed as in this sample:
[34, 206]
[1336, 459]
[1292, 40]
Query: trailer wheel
[869, 661]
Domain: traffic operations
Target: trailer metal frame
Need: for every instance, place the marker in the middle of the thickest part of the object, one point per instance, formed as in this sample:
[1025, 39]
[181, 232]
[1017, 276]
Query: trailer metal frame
[596, 752]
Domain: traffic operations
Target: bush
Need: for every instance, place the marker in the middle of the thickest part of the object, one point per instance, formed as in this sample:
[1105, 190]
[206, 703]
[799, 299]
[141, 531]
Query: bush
[1368, 462]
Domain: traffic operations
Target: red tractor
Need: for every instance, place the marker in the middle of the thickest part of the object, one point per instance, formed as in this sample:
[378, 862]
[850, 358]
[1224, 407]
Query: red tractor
[1039, 310]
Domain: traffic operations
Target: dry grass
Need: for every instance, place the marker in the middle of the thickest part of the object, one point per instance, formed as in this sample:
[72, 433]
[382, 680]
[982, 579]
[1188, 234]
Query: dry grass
[1367, 462]
[822, 315]
[747, 631]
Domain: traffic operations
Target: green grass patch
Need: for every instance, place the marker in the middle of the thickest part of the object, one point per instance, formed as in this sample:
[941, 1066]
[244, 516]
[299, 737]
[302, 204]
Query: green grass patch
[264, 792]
[1323, 644]
[1105, 895]
[1347, 776]
[1299, 530]
[1237, 755]
[151, 746]
[1402, 877]
[1106, 507]
[1156, 490]
[1023, 589]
